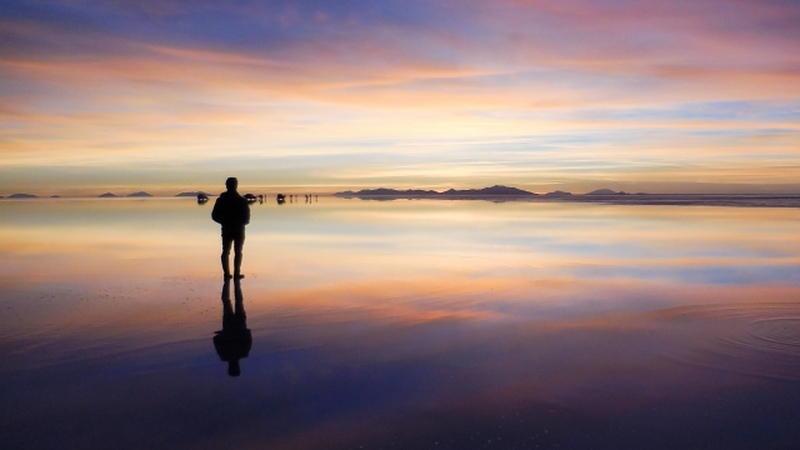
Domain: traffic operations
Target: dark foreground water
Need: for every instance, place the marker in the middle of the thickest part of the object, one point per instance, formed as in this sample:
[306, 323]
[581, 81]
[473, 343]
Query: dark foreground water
[403, 324]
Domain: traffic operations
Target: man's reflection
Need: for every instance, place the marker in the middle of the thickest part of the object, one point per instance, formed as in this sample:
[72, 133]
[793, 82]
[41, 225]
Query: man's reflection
[233, 342]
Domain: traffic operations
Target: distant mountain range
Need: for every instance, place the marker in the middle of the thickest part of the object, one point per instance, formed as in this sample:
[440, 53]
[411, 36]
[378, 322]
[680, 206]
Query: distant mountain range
[496, 191]
[134, 195]
[500, 193]
[608, 196]
[139, 194]
[493, 192]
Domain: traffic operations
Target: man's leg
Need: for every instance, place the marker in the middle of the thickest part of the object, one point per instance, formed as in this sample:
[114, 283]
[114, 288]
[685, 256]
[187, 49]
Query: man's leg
[238, 244]
[226, 253]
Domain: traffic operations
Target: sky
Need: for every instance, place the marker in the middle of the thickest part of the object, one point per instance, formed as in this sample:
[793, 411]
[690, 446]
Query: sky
[309, 95]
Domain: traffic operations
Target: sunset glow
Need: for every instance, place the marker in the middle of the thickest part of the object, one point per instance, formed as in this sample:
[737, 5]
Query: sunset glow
[681, 96]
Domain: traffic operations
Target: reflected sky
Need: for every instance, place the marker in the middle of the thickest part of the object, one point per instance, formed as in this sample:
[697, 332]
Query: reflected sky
[401, 324]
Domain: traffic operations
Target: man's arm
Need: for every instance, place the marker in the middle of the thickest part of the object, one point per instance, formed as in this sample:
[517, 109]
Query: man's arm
[217, 211]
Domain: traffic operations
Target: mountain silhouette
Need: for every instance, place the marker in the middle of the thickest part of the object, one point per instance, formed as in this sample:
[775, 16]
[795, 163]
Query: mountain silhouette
[139, 194]
[496, 190]
[493, 191]
[606, 192]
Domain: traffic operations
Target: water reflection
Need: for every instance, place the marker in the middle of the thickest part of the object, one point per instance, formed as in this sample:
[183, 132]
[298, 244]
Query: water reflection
[400, 325]
[234, 340]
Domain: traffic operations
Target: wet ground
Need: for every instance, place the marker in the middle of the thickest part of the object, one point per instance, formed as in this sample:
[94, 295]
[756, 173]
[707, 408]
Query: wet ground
[403, 324]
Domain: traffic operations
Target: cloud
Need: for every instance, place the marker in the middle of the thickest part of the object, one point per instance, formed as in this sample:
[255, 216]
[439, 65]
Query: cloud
[645, 84]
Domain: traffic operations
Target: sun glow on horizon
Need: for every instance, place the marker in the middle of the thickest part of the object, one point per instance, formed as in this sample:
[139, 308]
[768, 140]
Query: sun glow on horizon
[646, 96]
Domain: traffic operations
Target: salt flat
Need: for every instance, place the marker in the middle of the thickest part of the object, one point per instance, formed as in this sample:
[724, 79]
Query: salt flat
[401, 324]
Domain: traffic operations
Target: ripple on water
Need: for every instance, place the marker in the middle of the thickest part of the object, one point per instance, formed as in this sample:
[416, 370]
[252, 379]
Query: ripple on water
[761, 340]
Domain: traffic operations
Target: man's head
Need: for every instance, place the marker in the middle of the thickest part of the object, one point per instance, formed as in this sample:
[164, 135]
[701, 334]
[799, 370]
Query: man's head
[232, 183]
[233, 368]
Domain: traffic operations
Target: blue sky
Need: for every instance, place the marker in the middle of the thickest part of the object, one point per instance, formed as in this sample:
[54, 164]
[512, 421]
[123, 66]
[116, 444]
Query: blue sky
[683, 96]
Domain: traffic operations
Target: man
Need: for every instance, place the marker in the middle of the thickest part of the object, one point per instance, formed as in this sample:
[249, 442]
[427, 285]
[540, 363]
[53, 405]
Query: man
[233, 213]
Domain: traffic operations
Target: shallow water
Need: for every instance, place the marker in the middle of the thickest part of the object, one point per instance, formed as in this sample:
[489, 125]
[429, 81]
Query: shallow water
[402, 324]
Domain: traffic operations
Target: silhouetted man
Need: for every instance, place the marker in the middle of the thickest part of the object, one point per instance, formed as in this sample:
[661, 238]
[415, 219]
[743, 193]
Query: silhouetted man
[233, 213]
[234, 341]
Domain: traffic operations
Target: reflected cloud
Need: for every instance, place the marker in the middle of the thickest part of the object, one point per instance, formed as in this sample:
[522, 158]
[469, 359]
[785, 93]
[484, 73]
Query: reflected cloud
[408, 322]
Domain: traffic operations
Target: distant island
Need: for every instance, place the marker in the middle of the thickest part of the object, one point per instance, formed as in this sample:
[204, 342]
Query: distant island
[605, 192]
[496, 191]
[20, 195]
[133, 195]
[499, 193]
[558, 194]
[192, 194]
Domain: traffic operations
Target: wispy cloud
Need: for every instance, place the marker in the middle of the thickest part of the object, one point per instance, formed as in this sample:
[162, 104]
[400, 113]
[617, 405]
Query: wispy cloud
[705, 88]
